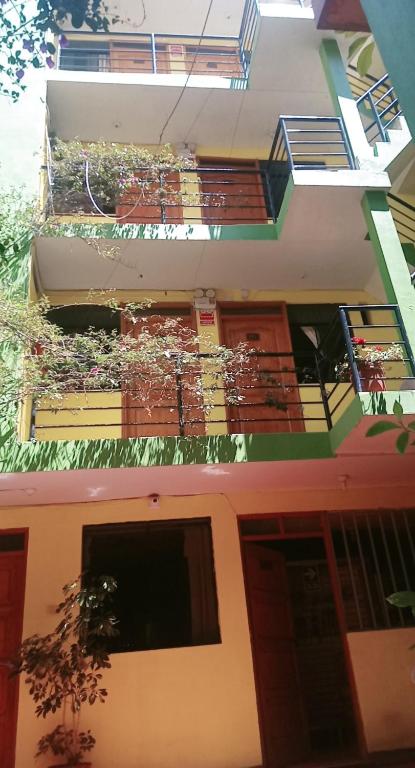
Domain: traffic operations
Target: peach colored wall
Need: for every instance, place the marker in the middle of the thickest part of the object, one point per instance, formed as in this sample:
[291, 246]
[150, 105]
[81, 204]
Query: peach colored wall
[175, 708]
[383, 664]
[196, 707]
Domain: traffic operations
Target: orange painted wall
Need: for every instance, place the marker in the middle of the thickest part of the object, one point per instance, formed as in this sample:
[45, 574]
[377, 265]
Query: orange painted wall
[196, 707]
[383, 664]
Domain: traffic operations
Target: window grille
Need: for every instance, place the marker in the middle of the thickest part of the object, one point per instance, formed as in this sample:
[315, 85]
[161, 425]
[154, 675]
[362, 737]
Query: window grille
[375, 556]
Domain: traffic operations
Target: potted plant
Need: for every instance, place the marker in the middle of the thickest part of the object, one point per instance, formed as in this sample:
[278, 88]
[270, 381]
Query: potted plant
[63, 668]
[370, 359]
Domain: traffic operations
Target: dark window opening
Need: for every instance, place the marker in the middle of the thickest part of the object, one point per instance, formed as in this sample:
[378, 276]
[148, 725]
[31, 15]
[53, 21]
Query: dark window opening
[12, 542]
[375, 556]
[311, 324]
[166, 595]
[81, 318]
[87, 56]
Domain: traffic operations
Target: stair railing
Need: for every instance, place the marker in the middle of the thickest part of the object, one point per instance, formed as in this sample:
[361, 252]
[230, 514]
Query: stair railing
[383, 108]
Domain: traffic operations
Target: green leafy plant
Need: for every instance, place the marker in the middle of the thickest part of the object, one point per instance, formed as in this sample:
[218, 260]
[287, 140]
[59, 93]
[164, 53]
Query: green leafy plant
[26, 32]
[404, 599]
[372, 356]
[63, 668]
[406, 431]
[146, 361]
[361, 50]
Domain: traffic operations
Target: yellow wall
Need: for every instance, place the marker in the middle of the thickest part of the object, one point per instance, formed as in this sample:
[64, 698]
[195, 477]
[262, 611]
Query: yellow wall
[76, 418]
[196, 707]
[383, 664]
[173, 708]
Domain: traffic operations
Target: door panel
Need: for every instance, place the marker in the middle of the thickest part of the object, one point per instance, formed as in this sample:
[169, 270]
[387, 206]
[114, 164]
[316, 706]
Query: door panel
[152, 203]
[283, 727]
[223, 62]
[160, 417]
[272, 402]
[12, 569]
[232, 196]
[135, 58]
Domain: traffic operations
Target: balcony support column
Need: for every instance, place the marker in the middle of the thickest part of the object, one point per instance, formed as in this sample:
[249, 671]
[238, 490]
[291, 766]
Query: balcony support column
[345, 105]
[390, 258]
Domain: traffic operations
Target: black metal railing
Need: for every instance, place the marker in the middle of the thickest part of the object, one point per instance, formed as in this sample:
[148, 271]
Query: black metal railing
[368, 348]
[404, 217]
[155, 54]
[379, 107]
[275, 395]
[225, 56]
[210, 194]
[270, 400]
[312, 143]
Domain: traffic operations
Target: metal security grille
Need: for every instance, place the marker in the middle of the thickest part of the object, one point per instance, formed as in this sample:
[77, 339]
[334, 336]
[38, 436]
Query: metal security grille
[374, 556]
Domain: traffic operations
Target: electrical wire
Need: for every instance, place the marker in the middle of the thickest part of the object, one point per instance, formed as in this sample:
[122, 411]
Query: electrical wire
[181, 94]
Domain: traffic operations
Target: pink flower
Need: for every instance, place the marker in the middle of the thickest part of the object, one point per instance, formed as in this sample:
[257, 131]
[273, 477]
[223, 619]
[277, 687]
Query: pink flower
[95, 370]
[358, 340]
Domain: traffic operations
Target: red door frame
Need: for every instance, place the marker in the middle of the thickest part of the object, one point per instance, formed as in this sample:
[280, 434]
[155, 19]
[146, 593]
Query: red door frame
[323, 534]
[24, 551]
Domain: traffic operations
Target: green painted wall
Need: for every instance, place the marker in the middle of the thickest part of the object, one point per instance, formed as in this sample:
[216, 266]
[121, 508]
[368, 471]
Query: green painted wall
[393, 25]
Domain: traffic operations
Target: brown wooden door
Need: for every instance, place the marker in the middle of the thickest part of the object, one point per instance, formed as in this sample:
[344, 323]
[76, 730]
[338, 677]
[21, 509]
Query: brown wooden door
[281, 712]
[233, 195]
[12, 572]
[152, 202]
[135, 58]
[222, 62]
[271, 395]
[171, 408]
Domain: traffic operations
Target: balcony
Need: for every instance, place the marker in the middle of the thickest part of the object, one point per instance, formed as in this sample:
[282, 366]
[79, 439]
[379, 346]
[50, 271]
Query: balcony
[366, 350]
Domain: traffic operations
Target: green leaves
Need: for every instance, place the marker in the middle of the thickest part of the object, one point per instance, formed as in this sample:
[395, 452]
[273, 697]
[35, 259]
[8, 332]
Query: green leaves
[380, 427]
[24, 35]
[404, 599]
[406, 430]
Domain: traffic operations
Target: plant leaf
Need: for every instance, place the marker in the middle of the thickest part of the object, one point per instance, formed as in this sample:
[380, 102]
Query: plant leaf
[397, 408]
[365, 59]
[356, 45]
[381, 426]
[402, 442]
[405, 599]
[411, 425]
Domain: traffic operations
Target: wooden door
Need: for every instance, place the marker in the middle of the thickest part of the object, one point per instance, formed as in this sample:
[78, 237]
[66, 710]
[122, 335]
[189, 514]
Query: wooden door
[271, 395]
[282, 721]
[222, 62]
[231, 193]
[12, 575]
[133, 58]
[152, 202]
[171, 408]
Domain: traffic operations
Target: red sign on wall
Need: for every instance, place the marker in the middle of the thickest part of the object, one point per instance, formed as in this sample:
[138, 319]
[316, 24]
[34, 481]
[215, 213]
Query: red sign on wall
[176, 50]
[206, 318]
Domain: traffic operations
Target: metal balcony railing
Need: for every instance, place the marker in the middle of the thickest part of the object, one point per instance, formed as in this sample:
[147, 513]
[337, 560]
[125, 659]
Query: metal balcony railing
[379, 107]
[209, 194]
[165, 54]
[312, 143]
[367, 347]
[404, 217]
[277, 396]
[226, 56]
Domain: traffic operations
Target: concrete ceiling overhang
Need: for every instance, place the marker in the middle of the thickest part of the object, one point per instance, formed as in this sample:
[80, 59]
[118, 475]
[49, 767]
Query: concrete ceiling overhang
[390, 470]
[286, 78]
[322, 245]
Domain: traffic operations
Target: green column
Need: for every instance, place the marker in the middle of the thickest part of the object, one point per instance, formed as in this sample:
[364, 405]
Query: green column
[390, 257]
[343, 101]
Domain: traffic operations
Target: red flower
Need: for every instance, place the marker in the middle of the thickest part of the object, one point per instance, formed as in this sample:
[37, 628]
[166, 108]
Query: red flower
[358, 340]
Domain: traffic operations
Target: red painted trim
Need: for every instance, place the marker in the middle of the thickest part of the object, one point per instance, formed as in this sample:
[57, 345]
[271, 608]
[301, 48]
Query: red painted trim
[23, 554]
[325, 535]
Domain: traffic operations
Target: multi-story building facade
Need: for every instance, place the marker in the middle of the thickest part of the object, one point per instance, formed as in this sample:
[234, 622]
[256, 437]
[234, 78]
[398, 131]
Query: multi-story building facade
[254, 544]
